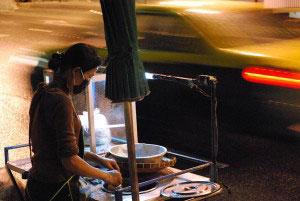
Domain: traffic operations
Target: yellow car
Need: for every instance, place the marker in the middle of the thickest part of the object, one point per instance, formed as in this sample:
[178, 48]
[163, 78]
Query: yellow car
[254, 52]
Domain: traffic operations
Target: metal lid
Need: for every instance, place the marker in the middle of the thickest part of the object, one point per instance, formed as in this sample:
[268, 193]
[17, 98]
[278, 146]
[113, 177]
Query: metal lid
[190, 189]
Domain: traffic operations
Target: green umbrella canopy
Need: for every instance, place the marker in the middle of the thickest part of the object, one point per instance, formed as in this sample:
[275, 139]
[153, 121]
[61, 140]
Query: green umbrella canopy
[125, 74]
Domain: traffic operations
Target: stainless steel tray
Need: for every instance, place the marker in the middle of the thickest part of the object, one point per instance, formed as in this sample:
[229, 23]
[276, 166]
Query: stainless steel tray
[190, 189]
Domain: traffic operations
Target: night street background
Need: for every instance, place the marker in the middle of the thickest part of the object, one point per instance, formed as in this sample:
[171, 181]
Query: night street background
[261, 167]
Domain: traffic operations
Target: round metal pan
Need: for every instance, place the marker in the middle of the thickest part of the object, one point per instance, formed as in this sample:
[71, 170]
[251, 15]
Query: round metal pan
[190, 189]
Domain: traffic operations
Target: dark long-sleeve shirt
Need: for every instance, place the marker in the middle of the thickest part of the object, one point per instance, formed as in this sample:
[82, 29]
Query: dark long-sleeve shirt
[54, 131]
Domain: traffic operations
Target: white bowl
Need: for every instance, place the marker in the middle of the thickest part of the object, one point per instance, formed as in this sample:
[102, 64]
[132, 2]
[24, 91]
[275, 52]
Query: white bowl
[145, 153]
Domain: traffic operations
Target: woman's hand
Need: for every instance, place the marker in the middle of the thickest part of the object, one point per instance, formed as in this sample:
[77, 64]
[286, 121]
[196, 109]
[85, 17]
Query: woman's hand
[78, 166]
[114, 178]
[109, 164]
[102, 161]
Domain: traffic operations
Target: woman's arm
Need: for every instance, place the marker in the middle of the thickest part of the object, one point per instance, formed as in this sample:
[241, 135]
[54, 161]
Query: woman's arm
[104, 162]
[79, 167]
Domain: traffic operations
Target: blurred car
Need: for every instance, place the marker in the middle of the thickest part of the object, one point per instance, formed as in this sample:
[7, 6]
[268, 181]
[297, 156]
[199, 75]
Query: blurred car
[254, 53]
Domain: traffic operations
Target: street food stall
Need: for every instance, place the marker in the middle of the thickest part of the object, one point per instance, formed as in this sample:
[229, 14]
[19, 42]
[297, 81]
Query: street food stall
[158, 179]
[107, 112]
[156, 176]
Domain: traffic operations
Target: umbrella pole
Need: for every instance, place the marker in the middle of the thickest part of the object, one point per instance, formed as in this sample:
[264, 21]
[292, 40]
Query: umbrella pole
[129, 122]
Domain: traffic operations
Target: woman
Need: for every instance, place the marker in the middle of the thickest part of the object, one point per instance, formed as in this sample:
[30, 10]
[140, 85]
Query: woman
[55, 132]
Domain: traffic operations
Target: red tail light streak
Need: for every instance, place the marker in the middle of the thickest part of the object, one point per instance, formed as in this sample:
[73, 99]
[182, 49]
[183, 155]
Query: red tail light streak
[272, 76]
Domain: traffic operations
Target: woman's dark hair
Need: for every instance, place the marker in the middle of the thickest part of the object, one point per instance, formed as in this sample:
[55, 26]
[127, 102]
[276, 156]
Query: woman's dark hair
[79, 55]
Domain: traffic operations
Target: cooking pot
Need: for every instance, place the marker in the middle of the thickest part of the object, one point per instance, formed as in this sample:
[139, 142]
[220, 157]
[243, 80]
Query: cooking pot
[145, 153]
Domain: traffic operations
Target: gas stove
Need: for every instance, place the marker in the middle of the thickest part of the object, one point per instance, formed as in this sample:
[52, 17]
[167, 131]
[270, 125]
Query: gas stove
[96, 190]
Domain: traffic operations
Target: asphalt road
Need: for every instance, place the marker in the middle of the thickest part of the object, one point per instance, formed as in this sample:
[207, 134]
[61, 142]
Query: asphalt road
[28, 36]
[35, 30]
[261, 167]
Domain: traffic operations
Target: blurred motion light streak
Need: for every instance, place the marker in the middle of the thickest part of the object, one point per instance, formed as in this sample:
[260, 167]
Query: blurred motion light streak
[28, 60]
[252, 54]
[25, 61]
[203, 11]
[271, 76]
[55, 22]
[40, 30]
[96, 12]
[246, 53]
[31, 50]
[186, 3]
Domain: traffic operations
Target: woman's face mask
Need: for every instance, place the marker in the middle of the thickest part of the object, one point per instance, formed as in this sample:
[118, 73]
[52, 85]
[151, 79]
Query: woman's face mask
[80, 88]
[77, 89]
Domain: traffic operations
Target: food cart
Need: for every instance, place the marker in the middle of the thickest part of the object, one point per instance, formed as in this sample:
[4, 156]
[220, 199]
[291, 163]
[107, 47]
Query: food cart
[157, 178]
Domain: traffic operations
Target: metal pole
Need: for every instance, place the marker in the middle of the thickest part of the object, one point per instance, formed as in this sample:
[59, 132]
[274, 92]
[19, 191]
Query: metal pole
[197, 160]
[15, 183]
[131, 151]
[91, 118]
[6, 154]
[214, 133]
[6, 149]
[118, 195]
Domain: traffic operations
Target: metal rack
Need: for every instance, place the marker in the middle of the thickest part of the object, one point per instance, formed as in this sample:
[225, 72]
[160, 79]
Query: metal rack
[16, 167]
